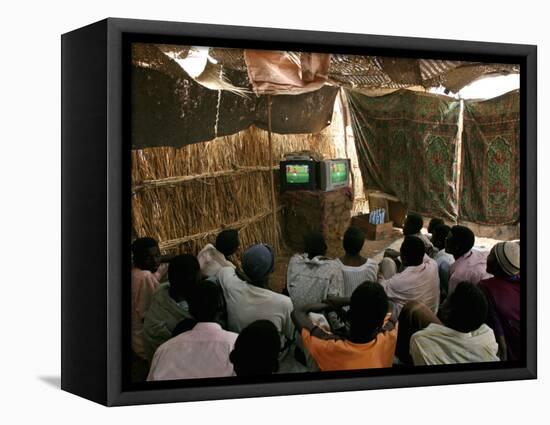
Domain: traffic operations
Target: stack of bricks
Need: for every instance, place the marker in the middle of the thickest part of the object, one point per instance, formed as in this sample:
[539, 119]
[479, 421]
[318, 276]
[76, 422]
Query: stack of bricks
[327, 212]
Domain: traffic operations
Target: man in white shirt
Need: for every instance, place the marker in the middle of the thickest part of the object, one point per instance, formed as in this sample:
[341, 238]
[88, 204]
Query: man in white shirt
[356, 269]
[443, 259]
[248, 297]
[213, 258]
[312, 277]
[463, 337]
[419, 281]
[202, 352]
[470, 264]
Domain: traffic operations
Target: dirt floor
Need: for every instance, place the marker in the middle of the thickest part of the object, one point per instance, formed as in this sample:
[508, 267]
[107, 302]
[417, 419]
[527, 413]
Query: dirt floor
[371, 249]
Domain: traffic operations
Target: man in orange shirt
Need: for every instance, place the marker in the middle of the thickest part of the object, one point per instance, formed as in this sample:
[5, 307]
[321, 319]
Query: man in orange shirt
[372, 337]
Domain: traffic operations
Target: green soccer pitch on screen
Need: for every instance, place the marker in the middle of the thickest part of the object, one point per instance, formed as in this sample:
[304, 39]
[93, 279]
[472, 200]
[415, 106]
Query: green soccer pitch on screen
[297, 174]
[338, 173]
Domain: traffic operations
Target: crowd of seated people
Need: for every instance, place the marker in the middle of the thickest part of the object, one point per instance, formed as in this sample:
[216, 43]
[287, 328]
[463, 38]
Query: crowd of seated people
[437, 300]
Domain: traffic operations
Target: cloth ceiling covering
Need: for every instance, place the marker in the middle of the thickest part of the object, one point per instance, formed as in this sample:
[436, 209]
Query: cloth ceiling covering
[353, 71]
[172, 109]
[277, 72]
[169, 108]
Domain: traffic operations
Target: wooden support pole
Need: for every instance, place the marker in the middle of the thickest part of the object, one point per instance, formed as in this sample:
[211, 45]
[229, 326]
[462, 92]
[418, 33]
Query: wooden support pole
[345, 119]
[273, 202]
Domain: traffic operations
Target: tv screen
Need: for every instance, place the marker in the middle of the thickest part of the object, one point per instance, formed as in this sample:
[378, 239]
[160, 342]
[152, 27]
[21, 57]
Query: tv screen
[297, 173]
[333, 173]
[338, 173]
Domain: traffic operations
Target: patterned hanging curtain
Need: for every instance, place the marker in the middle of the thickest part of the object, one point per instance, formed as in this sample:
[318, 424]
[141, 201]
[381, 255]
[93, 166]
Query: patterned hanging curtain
[490, 170]
[407, 146]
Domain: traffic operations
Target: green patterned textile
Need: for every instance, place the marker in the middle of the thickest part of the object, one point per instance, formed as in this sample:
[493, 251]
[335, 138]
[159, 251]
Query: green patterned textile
[490, 170]
[406, 145]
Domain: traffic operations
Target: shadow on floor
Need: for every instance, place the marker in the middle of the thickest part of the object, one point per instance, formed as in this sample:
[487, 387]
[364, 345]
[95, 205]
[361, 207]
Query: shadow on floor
[54, 381]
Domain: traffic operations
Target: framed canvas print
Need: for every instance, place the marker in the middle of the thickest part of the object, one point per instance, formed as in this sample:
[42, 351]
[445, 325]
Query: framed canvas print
[251, 212]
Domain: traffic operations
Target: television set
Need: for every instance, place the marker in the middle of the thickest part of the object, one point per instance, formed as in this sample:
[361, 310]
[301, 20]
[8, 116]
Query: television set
[298, 174]
[334, 173]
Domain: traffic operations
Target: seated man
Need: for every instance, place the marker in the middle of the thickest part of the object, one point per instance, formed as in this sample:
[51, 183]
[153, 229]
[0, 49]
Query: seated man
[372, 338]
[169, 305]
[212, 259]
[503, 296]
[434, 222]
[413, 227]
[312, 277]
[460, 337]
[248, 297]
[470, 265]
[419, 280]
[256, 350]
[147, 273]
[356, 269]
[203, 351]
[442, 257]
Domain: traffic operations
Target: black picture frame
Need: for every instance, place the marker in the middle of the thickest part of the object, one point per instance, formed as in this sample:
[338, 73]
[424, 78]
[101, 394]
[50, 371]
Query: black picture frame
[96, 207]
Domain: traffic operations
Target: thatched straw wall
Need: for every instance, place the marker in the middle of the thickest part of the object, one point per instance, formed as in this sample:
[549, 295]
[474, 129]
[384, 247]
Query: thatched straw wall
[184, 197]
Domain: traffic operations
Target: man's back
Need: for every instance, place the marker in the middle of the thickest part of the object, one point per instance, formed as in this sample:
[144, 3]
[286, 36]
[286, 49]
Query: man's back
[341, 354]
[312, 280]
[415, 283]
[503, 296]
[144, 284]
[161, 318]
[211, 261]
[438, 344]
[471, 267]
[247, 303]
[202, 352]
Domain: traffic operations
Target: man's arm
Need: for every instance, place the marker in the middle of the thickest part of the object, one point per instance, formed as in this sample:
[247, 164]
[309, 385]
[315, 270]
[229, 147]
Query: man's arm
[335, 289]
[336, 303]
[502, 352]
[300, 315]
[493, 321]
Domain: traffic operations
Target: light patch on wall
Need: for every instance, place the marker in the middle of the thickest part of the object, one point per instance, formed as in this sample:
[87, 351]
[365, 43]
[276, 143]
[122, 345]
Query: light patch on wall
[490, 87]
[484, 88]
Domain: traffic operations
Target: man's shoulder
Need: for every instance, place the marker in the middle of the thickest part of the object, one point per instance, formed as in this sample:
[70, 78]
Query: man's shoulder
[229, 336]
[206, 248]
[141, 275]
[297, 259]
[431, 265]
[161, 290]
[281, 298]
[488, 283]
[483, 330]
[273, 298]
[227, 273]
[430, 331]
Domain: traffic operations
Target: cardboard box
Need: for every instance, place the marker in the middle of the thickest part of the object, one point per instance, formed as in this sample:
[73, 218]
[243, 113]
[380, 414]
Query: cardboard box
[373, 232]
[395, 209]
